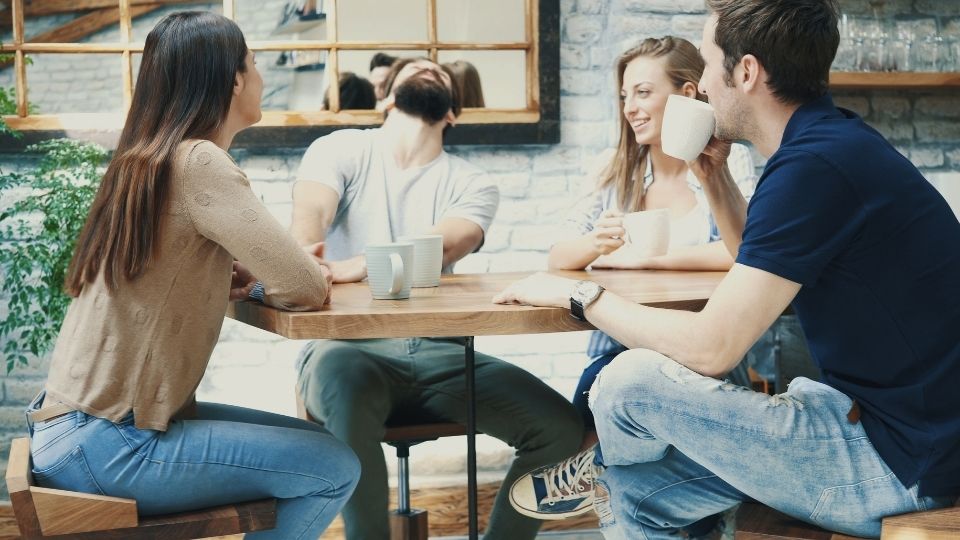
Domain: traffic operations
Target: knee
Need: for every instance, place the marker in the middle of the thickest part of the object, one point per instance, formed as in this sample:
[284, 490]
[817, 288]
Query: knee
[632, 374]
[342, 468]
[336, 376]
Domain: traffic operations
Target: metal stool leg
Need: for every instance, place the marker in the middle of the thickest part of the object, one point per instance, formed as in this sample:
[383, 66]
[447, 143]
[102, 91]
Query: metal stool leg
[405, 522]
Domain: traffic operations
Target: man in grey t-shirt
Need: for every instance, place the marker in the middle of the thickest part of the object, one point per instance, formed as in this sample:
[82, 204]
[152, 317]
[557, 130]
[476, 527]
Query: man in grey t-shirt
[356, 187]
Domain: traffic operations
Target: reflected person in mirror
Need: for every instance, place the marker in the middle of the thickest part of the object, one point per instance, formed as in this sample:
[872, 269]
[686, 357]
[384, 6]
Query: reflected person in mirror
[357, 187]
[467, 78]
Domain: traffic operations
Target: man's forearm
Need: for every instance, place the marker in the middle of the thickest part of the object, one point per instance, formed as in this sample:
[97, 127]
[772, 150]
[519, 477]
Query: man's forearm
[678, 334]
[729, 208]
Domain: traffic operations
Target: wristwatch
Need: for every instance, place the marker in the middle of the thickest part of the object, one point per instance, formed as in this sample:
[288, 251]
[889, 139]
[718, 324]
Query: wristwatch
[584, 293]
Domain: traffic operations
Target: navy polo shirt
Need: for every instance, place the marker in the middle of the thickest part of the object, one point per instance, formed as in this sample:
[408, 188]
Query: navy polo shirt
[877, 251]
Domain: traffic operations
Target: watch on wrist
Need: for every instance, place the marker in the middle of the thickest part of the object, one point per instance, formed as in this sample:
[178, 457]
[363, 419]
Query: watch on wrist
[584, 293]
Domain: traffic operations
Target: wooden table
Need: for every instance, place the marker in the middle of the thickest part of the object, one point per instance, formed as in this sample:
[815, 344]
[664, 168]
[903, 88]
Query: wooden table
[461, 306]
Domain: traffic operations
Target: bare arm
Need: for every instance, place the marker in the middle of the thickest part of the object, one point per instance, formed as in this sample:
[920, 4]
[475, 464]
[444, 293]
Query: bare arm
[727, 203]
[314, 207]
[461, 237]
[710, 342]
[577, 253]
[704, 257]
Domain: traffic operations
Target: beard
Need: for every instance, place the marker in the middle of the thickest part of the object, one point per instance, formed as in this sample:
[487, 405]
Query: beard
[733, 122]
[425, 98]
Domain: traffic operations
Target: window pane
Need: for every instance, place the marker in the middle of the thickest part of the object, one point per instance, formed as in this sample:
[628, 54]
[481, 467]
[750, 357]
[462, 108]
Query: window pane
[292, 80]
[62, 24]
[383, 21]
[481, 21]
[75, 83]
[502, 75]
[263, 20]
[143, 24]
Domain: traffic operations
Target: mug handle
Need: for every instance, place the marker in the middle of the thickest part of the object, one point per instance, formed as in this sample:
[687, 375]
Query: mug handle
[396, 267]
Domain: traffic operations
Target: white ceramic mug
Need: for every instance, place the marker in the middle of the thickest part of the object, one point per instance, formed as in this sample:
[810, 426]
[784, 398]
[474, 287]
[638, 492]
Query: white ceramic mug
[427, 258]
[648, 231]
[688, 125]
[389, 270]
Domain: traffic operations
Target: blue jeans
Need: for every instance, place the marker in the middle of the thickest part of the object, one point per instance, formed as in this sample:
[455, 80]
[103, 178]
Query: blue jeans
[227, 455]
[679, 446]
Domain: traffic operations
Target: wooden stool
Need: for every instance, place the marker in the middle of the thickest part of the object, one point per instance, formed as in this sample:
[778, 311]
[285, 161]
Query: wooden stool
[405, 523]
[758, 522]
[55, 513]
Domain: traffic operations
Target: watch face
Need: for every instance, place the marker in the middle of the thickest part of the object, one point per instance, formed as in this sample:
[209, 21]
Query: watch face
[586, 291]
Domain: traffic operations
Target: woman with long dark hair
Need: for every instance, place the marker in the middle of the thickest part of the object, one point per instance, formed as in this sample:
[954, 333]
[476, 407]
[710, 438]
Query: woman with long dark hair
[151, 276]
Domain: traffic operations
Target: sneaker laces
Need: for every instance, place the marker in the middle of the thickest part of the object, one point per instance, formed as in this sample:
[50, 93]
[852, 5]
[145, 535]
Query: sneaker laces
[571, 477]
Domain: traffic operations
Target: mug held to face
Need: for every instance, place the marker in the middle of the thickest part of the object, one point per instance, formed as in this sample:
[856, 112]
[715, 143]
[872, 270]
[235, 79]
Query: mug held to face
[389, 270]
[688, 125]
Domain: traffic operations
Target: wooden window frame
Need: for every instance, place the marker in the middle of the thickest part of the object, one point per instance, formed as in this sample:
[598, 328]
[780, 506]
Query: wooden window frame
[539, 123]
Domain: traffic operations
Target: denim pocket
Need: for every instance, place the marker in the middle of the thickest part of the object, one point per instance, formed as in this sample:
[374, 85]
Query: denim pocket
[47, 433]
[858, 508]
[70, 473]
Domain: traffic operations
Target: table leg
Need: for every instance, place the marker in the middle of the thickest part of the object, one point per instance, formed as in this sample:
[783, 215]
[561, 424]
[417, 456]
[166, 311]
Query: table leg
[471, 441]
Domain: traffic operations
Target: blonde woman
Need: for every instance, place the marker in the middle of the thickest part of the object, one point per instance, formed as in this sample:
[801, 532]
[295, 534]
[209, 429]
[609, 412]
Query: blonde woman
[640, 176]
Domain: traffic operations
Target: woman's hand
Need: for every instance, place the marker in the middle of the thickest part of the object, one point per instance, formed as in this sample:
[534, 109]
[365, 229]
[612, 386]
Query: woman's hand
[608, 232]
[348, 271]
[540, 289]
[241, 282]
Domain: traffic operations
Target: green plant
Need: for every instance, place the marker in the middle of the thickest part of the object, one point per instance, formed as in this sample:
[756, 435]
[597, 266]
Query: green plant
[41, 215]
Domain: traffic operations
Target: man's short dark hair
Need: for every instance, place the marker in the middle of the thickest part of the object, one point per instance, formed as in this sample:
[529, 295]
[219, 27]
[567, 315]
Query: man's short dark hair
[355, 93]
[795, 40]
[382, 60]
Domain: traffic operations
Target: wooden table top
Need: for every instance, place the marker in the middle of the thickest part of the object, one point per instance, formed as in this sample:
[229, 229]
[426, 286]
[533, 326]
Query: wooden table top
[461, 306]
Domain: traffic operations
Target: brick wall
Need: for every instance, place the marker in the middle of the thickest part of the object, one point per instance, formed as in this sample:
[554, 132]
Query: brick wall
[254, 368]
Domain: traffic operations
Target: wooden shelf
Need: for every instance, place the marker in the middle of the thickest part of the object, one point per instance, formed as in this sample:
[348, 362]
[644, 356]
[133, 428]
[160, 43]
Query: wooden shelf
[862, 79]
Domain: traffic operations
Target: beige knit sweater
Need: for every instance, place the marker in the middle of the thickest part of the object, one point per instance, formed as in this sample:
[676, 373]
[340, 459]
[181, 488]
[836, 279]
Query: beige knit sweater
[144, 347]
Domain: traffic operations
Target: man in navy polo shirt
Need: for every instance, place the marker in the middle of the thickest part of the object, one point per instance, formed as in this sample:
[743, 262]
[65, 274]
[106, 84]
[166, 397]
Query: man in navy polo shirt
[847, 231]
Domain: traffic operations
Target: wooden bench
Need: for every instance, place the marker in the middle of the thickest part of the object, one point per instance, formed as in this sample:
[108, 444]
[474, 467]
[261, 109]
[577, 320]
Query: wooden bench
[758, 522]
[54, 513]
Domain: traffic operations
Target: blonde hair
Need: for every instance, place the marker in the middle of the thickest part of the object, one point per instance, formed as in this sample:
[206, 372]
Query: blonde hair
[683, 64]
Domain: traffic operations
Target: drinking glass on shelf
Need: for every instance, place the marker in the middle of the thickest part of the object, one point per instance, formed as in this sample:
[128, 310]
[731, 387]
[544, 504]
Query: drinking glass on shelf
[930, 54]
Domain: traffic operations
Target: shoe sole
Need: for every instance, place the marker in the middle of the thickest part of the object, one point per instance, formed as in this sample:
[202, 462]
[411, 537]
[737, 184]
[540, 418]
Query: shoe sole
[544, 516]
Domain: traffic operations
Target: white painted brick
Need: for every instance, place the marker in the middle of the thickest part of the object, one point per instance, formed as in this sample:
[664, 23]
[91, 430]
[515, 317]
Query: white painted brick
[954, 157]
[592, 7]
[857, 104]
[536, 237]
[938, 131]
[240, 353]
[580, 83]
[273, 192]
[513, 185]
[633, 29]
[558, 159]
[894, 130]
[513, 212]
[927, 157]
[890, 107]
[539, 365]
[594, 135]
[664, 6]
[578, 108]
[518, 262]
[282, 212]
[550, 186]
[938, 7]
[689, 27]
[574, 57]
[475, 263]
[582, 29]
[939, 107]
[497, 160]
[20, 390]
[602, 58]
[948, 183]
[498, 239]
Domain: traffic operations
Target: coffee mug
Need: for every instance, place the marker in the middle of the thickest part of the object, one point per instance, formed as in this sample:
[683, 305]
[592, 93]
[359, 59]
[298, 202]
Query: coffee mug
[389, 270]
[427, 259]
[688, 125]
[648, 232]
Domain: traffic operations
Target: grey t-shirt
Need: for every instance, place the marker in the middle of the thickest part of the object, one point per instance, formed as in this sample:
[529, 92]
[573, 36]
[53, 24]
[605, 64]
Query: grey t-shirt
[380, 202]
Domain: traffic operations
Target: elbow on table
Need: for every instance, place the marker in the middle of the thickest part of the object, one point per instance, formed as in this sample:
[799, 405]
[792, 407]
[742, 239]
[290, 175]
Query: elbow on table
[307, 299]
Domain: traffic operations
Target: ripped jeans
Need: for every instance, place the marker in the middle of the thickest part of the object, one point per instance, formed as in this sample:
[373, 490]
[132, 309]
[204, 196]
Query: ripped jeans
[679, 446]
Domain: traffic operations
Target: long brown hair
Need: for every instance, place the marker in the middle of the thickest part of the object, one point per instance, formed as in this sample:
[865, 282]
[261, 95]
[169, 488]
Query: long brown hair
[183, 91]
[683, 64]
